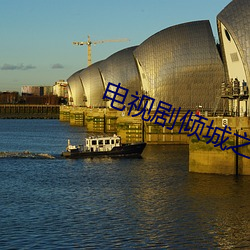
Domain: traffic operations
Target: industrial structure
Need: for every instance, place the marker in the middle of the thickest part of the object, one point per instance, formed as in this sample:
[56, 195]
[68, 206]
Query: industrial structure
[89, 44]
[174, 65]
[234, 34]
[60, 89]
[181, 65]
[93, 92]
[75, 90]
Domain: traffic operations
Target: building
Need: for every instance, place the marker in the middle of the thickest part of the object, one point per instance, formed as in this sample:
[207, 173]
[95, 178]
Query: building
[234, 32]
[37, 90]
[9, 97]
[181, 65]
[121, 68]
[76, 92]
[38, 95]
[60, 89]
[93, 85]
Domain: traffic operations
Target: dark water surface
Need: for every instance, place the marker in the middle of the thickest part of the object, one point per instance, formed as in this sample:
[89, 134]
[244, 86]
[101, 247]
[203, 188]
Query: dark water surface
[148, 203]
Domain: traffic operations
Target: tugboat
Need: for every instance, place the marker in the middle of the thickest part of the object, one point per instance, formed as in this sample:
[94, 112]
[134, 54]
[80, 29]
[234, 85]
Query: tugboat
[96, 146]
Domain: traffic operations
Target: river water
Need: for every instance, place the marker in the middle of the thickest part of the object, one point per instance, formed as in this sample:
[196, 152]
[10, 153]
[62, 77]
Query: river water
[150, 203]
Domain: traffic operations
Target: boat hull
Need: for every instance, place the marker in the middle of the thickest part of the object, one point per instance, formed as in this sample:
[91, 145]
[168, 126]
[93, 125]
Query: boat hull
[126, 150]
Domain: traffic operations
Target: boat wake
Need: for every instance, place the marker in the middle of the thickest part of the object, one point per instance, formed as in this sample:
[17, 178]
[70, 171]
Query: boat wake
[26, 154]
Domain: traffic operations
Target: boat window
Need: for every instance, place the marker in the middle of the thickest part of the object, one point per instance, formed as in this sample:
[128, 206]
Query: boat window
[100, 142]
[117, 141]
[93, 142]
[107, 142]
[112, 141]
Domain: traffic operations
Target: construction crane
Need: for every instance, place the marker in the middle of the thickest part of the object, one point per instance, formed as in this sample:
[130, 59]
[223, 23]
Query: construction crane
[89, 43]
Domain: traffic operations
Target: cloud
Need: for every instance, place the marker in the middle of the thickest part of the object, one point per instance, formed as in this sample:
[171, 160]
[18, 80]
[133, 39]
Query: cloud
[57, 66]
[7, 66]
[29, 67]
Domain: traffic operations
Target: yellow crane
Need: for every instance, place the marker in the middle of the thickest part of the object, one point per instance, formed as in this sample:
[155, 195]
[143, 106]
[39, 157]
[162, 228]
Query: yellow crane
[89, 43]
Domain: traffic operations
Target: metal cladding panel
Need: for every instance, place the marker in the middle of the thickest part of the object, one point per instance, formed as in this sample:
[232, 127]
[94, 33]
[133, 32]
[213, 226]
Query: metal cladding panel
[181, 66]
[236, 18]
[121, 68]
[76, 89]
[93, 85]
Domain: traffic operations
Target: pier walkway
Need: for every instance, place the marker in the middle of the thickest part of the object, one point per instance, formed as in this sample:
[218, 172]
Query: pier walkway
[25, 111]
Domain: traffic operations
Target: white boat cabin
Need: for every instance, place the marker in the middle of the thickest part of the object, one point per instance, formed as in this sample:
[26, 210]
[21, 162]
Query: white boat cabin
[102, 143]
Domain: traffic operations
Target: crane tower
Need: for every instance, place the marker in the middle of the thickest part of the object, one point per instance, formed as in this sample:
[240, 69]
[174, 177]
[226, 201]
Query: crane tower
[89, 43]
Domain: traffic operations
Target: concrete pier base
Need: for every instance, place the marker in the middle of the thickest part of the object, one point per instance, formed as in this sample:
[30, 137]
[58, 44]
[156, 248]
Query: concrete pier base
[130, 128]
[76, 118]
[64, 113]
[205, 158]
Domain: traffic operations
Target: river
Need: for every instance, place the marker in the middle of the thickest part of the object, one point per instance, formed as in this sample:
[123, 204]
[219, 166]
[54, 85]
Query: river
[48, 202]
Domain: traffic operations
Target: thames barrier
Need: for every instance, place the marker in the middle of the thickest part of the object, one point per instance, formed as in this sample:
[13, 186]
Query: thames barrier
[181, 66]
[203, 157]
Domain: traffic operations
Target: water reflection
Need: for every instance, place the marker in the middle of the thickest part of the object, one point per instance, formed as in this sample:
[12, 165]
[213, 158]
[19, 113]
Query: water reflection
[174, 208]
[223, 203]
[153, 202]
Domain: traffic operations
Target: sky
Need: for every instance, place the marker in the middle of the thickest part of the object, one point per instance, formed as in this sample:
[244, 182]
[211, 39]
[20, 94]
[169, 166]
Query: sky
[36, 35]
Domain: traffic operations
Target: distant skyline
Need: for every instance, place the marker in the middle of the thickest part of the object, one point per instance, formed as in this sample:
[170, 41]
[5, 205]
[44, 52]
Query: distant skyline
[36, 35]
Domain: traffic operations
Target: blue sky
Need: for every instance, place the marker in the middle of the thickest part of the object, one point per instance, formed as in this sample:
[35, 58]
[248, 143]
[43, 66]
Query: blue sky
[36, 35]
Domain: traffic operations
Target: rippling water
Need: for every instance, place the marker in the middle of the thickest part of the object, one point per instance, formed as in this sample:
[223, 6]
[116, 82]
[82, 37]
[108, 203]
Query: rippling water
[145, 203]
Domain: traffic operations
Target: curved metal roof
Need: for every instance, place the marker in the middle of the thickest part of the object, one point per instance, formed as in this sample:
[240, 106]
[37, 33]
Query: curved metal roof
[93, 85]
[121, 68]
[181, 65]
[76, 90]
[236, 18]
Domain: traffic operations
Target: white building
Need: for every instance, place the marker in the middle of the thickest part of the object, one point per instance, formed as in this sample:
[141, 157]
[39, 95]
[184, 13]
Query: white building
[60, 88]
